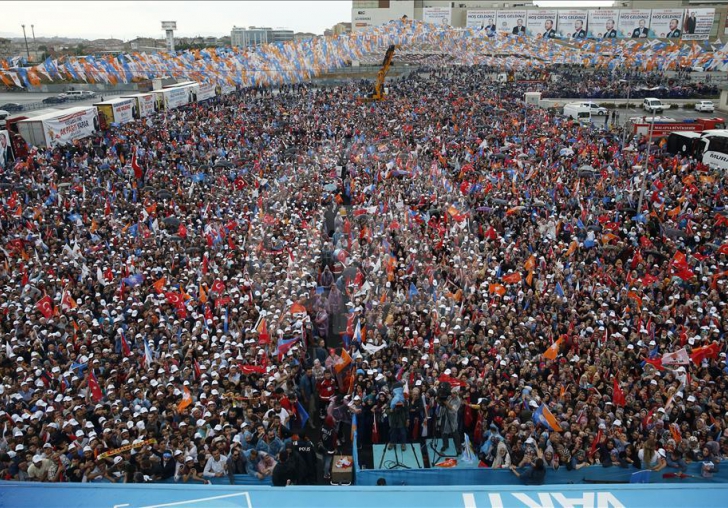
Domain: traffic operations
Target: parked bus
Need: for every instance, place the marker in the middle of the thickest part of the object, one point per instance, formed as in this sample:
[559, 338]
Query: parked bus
[710, 147]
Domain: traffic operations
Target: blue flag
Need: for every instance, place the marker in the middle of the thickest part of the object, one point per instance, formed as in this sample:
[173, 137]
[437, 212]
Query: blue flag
[559, 290]
[413, 290]
[302, 414]
[134, 280]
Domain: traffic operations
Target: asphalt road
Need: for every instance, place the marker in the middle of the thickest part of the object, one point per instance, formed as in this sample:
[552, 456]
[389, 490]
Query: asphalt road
[24, 98]
[677, 114]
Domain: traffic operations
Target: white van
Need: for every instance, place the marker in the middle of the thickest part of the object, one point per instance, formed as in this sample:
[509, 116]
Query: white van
[652, 104]
[578, 112]
[74, 94]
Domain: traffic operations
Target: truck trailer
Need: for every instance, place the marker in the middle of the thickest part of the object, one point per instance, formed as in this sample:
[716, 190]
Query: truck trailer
[59, 127]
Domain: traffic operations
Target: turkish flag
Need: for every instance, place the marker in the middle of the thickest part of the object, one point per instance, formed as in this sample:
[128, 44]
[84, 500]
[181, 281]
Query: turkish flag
[617, 394]
[93, 385]
[701, 353]
[246, 370]
[125, 346]
[174, 299]
[182, 231]
[218, 286]
[648, 280]
[45, 306]
[221, 302]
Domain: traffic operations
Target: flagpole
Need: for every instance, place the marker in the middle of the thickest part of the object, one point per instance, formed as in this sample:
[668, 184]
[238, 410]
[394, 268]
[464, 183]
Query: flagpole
[646, 165]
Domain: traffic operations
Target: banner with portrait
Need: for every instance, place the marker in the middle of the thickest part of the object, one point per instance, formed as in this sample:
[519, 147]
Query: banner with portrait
[481, 19]
[603, 24]
[511, 22]
[6, 150]
[541, 23]
[573, 24]
[697, 24]
[666, 23]
[634, 23]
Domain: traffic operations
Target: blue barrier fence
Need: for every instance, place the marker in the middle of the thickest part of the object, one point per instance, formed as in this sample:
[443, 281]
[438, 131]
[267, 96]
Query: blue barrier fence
[487, 476]
[84, 495]
[239, 479]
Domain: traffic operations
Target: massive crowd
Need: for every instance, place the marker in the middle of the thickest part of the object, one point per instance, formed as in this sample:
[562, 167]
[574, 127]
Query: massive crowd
[620, 84]
[218, 290]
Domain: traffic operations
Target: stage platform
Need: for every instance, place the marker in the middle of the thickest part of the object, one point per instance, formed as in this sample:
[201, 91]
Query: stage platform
[447, 458]
[410, 458]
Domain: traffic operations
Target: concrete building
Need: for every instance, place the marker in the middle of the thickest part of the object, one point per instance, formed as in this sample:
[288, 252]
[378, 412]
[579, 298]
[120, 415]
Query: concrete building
[368, 13]
[6, 48]
[341, 28]
[255, 36]
[303, 36]
[145, 44]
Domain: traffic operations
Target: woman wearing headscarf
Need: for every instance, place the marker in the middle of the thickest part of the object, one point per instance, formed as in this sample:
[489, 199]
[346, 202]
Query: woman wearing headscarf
[502, 457]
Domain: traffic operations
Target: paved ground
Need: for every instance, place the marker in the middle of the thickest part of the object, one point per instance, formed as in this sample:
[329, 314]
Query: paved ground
[24, 98]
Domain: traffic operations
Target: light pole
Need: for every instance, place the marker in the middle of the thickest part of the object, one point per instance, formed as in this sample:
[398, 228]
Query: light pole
[624, 127]
[32, 29]
[27, 50]
[646, 165]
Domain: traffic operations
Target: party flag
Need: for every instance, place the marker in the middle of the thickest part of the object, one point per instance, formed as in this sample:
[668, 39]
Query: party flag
[186, 399]
[544, 417]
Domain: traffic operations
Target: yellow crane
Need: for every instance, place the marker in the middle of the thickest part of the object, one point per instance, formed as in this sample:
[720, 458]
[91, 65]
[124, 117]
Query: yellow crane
[378, 93]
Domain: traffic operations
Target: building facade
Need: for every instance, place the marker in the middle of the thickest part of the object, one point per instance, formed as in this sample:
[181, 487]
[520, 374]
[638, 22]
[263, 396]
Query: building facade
[255, 36]
[686, 19]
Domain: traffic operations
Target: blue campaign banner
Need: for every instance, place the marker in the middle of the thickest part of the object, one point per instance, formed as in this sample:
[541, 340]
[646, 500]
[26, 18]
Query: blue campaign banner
[79, 495]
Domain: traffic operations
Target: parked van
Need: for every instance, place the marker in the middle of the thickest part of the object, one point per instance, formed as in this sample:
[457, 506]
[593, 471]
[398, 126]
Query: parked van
[652, 104]
[578, 112]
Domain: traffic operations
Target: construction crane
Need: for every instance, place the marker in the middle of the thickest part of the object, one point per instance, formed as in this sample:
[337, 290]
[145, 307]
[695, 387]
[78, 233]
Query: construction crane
[378, 93]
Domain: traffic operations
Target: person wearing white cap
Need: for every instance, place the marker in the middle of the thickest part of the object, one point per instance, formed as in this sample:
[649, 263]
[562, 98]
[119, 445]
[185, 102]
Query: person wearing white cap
[42, 469]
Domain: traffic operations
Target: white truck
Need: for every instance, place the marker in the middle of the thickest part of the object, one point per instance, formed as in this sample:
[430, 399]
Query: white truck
[144, 104]
[578, 112]
[59, 127]
[116, 111]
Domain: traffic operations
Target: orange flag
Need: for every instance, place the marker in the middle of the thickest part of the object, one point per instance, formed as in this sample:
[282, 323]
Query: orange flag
[203, 295]
[94, 226]
[634, 296]
[530, 263]
[297, 308]
[512, 278]
[674, 212]
[572, 248]
[159, 285]
[553, 351]
[342, 361]
[498, 289]
[186, 400]
[529, 278]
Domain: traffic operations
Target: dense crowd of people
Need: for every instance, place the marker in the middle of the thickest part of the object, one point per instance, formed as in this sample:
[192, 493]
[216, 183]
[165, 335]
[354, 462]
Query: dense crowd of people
[222, 289]
[606, 84]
